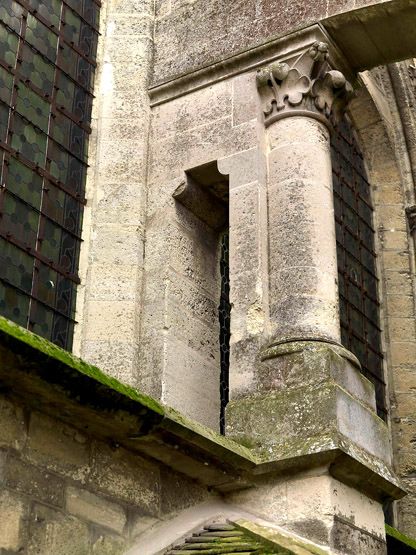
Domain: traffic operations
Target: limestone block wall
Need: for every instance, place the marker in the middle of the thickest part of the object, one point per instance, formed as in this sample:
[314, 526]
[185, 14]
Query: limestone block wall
[64, 492]
[221, 29]
[113, 231]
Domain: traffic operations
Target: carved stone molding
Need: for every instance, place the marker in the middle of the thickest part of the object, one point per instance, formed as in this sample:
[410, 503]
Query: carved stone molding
[310, 87]
[411, 217]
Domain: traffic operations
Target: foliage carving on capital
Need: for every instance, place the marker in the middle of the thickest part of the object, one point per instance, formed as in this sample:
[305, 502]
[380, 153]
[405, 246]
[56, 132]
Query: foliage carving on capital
[308, 87]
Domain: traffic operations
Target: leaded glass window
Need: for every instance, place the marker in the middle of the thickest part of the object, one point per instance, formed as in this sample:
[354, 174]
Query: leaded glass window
[47, 63]
[357, 269]
[225, 323]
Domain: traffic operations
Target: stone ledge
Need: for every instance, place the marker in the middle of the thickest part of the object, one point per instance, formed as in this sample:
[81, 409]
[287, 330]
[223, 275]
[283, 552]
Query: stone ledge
[47, 378]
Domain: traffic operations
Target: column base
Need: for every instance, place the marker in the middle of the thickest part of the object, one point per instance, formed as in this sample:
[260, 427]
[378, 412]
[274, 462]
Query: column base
[315, 407]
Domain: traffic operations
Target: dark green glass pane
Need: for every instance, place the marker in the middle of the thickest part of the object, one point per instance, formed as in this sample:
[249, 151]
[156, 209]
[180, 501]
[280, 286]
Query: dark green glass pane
[37, 70]
[336, 183]
[363, 188]
[29, 141]
[346, 172]
[341, 284]
[20, 221]
[72, 27]
[41, 38]
[16, 266]
[32, 107]
[49, 10]
[375, 363]
[345, 338]
[60, 247]
[54, 202]
[367, 236]
[73, 98]
[46, 284]
[13, 304]
[356, 321]
[365, 211]
[353, 268]
[354, 295]
[6, 85]
[51, 241]
[351, 244]
[24, 183]
[77, 67]
[65, 296]
[4, 118]
[359, 165]
[348, 196]
[41, 319]
[350, 219]
[368, 260]
[371, 309]
[372, 333]
[66, 168]
[62, 208]
[62, 331]
[340, 256]
[68, 134]
[69, 253]
[358, 348]
[72, 215]
[370, 284]
[87, 9]
[8, 46]
[11, 14]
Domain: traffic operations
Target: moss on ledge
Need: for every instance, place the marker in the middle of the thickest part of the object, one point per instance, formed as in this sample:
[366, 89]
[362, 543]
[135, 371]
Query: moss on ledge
[398, 542]
[36, 360]
[9, 329]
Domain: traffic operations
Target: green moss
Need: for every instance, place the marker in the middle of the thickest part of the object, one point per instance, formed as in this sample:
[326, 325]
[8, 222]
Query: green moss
[11, 330]
[390, 531]
[185, 427]
[195, 428]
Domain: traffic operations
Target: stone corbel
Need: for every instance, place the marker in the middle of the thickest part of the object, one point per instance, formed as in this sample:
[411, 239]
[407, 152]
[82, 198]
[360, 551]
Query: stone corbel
[310, 87]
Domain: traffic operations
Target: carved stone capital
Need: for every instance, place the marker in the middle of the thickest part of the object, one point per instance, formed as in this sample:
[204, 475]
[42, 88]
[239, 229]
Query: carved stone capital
[310, 87]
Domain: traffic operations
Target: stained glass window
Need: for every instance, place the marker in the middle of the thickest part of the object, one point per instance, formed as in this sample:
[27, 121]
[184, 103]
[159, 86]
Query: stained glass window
[357, 268]
[47, 63]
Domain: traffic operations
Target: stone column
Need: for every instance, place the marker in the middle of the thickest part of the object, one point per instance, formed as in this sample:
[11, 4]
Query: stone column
[308, 406]
[298, 114]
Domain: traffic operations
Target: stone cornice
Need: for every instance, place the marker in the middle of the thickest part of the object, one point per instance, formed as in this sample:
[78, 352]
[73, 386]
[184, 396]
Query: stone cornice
[308, 87]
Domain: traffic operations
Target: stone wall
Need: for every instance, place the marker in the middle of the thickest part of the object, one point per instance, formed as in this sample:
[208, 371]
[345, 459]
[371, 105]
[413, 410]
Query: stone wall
[205, 32]
[113, 231]
[63, 492]
[179, 345]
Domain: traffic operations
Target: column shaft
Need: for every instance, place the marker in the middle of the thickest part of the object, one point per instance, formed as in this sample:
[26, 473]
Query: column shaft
[302, 247]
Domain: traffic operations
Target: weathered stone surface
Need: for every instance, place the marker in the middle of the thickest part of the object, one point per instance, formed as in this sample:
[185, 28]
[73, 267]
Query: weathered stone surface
[31, 480]
[106, 545]
[58, 447]
[177, 494]
[90, 507]
[13, 511]
[124, 476]
[54, 533]
[12, 428]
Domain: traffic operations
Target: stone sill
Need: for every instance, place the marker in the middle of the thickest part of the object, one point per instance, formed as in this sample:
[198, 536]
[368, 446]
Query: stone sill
[48, 378]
